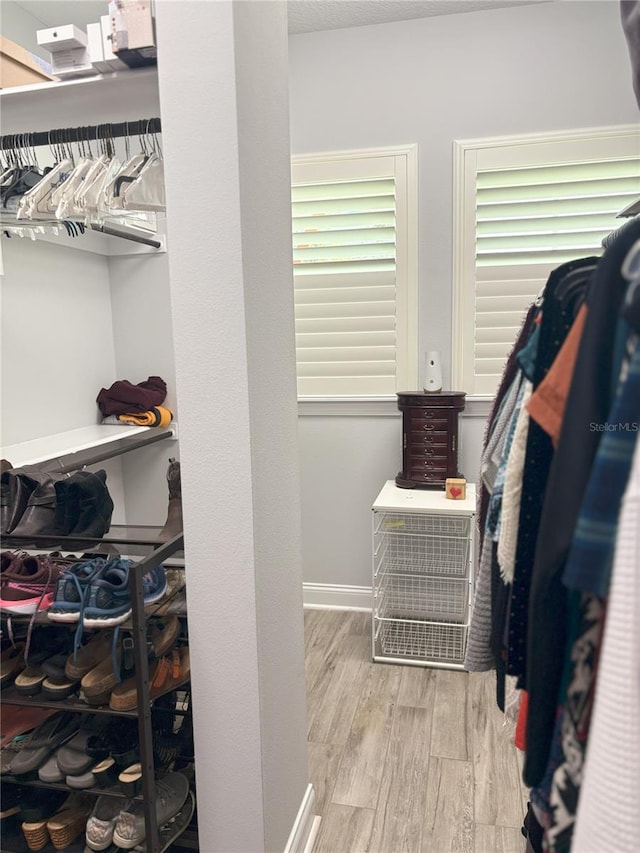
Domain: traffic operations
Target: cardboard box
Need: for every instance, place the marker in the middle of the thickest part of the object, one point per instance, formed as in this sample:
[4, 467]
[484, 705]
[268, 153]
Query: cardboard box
[18, 67]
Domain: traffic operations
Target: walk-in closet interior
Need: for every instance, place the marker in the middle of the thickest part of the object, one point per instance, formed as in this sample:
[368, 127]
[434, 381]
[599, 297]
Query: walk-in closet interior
[206, 313]
[311, 648]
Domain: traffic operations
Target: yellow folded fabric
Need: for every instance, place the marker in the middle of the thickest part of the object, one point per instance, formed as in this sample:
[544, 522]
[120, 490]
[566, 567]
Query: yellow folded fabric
[159, 416]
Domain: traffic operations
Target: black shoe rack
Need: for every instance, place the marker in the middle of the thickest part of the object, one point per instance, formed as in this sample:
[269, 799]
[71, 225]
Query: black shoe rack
[155, 841]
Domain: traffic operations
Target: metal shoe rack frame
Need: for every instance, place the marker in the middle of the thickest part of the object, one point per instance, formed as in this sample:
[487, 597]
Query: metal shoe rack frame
[139, 629]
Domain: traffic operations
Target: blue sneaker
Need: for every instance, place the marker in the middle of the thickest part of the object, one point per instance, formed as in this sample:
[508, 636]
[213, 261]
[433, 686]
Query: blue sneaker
[109, 600]
[72, 588]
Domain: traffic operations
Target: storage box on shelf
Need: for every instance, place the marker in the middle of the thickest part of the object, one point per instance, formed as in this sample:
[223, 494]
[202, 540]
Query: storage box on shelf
[18, 67]
[422, 576]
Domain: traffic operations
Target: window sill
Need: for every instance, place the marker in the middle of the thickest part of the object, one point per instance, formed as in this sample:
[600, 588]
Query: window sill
[475, 407]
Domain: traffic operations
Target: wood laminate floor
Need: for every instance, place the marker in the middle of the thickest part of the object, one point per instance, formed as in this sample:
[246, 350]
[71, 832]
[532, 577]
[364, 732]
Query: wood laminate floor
[405, 759]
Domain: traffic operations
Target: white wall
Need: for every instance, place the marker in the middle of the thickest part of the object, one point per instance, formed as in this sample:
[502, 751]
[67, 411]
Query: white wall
[526, 69]
[57, 344]
[143, 346]
[223, 89]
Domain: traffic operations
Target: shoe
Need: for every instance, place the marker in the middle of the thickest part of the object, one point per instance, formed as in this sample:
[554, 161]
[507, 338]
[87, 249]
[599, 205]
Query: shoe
[171, 793]
[102, 821]
[105, 773]
[29, 681]
[164, 635]
[11, 563]
[10, 805]
[50, 772]
[47, 642]
[56, 691]
[119, 667]
[83, 505]
[67, 824]
[88, 655]
[72, 589]
[24, 593]
[16, 486]
[73, 757]
[42, 741]
[10, 751]
[11, 662]
[130, 779]
[173, 524]
[110, 598]
[174, 599]
[37, 808]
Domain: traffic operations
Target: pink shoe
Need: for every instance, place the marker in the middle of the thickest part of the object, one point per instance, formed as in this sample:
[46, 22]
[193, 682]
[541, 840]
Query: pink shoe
[24, 591]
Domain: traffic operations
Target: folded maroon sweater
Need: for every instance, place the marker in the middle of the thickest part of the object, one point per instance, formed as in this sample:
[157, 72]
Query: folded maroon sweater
[123, 397]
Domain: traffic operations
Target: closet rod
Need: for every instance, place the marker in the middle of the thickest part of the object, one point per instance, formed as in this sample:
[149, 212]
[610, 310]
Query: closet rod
[134, 444]
[79, 134]
[126, 235]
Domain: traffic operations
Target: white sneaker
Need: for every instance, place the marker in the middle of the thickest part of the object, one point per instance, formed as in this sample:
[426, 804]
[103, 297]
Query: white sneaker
[171, 792]
[102, 821]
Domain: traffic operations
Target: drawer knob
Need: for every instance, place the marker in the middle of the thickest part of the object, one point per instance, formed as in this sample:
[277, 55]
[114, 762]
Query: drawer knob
[429, 427]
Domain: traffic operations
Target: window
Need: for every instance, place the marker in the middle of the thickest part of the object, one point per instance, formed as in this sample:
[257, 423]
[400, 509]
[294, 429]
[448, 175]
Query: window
[523, 207]
[355, 268]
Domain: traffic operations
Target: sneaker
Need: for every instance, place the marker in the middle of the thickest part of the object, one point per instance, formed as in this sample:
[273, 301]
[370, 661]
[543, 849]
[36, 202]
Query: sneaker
[72, 588]
[102, 821]
[24, 592]
[171, 794]
[110, 597]
[10, 565]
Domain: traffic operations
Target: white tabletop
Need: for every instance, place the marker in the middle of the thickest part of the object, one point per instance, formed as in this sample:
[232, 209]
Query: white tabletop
[394, 499]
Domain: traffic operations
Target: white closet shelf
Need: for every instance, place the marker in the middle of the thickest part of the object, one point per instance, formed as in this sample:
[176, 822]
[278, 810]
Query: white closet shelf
[105, 83]
[66, 444]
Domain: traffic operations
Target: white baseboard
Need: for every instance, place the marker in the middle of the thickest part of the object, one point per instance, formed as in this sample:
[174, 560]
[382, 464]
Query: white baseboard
[305, 826]
[326, 596]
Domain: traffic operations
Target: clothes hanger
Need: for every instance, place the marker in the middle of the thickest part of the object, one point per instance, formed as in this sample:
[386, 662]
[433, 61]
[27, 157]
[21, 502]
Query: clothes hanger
[147, 192]
[33, 204]
[108, 167]
[23, 176]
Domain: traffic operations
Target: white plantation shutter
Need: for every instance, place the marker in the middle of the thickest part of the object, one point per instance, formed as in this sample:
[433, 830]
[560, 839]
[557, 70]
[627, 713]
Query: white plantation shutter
[527, 208]
[350, 263]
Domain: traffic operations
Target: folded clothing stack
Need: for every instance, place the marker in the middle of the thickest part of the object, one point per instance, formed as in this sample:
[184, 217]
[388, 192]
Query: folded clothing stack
[158, 416]
[140, 405]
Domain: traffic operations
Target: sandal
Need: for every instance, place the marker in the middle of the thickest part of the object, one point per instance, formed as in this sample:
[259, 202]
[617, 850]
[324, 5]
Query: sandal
[39, 745]
[29, 681]
[167, 674]
[98, 682]
[130, 780]
[11, 662]
[65, 826]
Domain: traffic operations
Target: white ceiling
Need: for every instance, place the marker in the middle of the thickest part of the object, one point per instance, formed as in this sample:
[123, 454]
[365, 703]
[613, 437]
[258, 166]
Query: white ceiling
[304, 15]
[307, 16]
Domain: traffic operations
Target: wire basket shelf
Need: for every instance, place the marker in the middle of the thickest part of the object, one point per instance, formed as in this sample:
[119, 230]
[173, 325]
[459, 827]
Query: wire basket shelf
[421, 641]
[411, 597]
[436, 525]
[431, 555]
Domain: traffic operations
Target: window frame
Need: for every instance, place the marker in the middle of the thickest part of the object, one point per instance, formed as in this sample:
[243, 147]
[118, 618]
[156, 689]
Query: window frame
[509, 151]
[406, 286]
